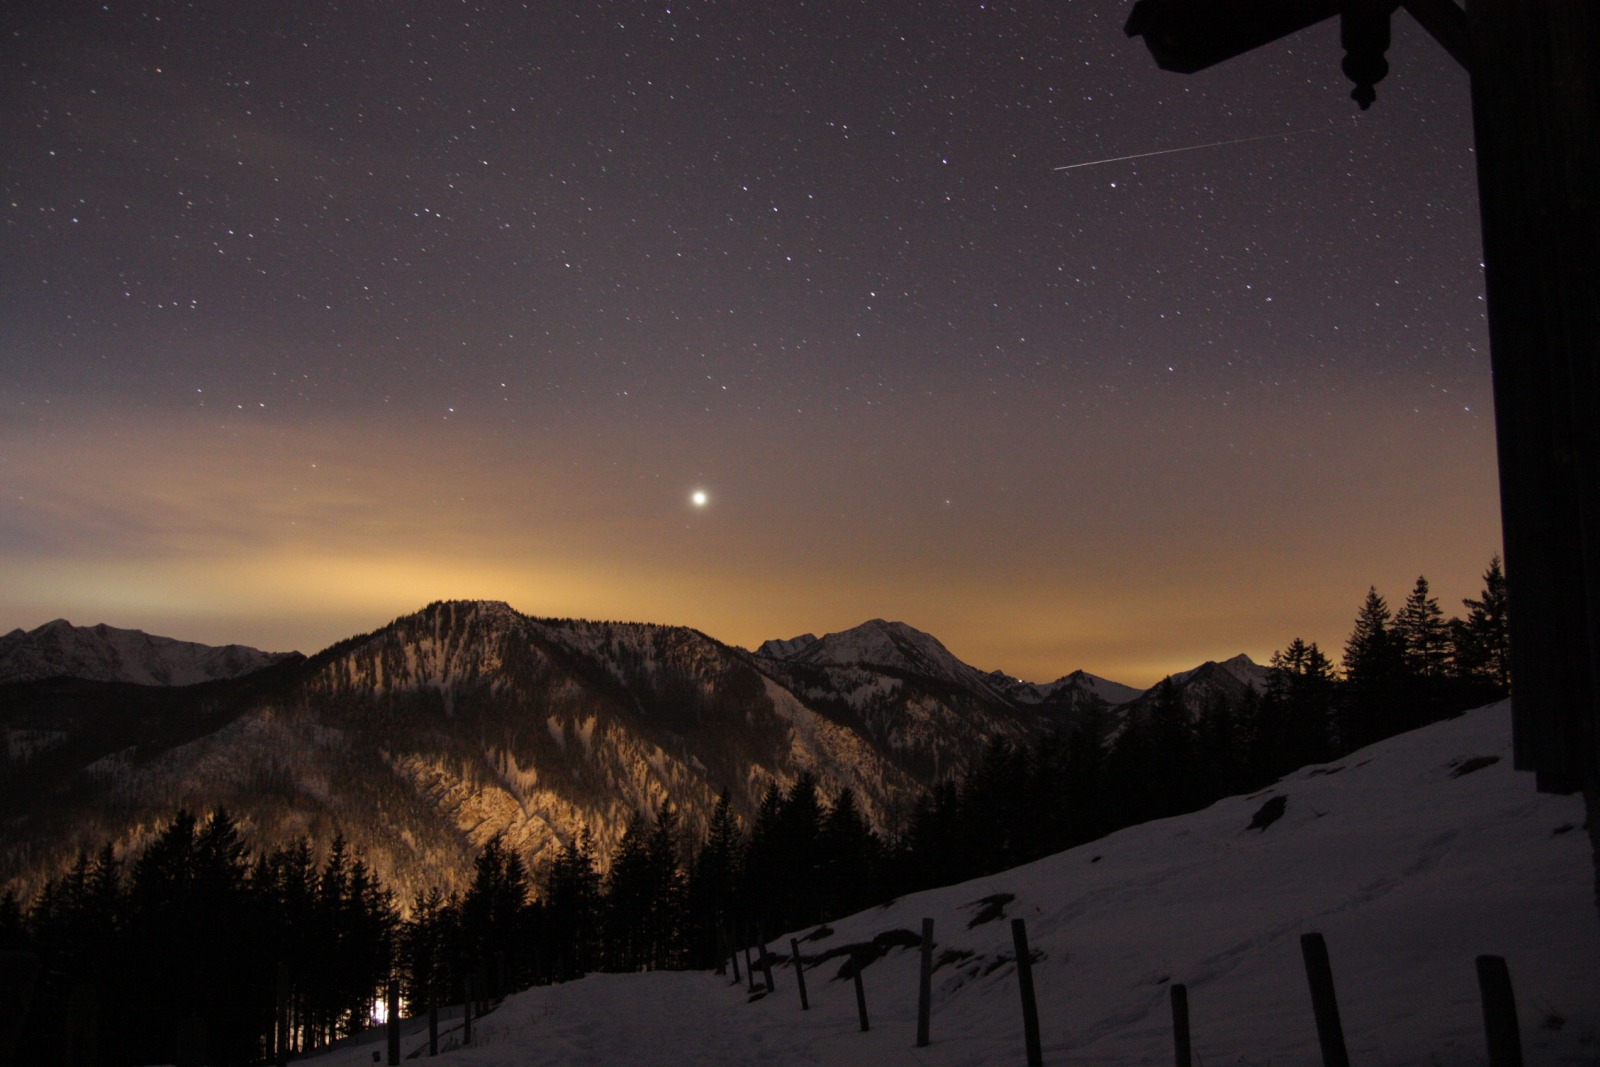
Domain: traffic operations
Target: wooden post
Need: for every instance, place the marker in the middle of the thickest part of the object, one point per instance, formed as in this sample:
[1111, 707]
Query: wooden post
[861, 1001]
[1499, 1012]
[466, 1010]
[925, 984]
[392, 1019]
[1182, 1055]
[749, 968]
[733, 958]
[1030, 1007]
[799, 974]
[1319, 973]
[766, 963]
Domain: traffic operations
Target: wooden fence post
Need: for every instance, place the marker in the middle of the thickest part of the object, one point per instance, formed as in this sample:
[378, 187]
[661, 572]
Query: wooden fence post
[749, 968]
[861, 1001]
[1030, 1007]
[392, 1002]
[466, 1011]
[1319, 974]
[766, 962]
[1499, 1012]
[1183, 1057]
[799, 974]
[925, 984]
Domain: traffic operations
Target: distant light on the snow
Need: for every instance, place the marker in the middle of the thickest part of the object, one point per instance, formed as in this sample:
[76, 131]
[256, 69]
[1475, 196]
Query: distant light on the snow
[699, 498]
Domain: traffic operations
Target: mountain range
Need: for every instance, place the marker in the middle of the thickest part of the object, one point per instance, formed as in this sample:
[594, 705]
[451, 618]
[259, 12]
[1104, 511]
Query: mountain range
[422, 740]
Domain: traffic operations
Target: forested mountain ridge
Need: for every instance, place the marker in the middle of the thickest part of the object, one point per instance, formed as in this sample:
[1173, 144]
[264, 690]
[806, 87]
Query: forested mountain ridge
[467, 720]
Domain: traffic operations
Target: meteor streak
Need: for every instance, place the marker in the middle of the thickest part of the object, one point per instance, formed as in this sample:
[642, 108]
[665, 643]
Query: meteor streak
[1186, 148]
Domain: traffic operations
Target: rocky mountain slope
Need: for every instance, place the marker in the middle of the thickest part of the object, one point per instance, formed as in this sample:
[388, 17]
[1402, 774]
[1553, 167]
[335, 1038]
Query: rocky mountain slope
[422, 740]
[466, 720]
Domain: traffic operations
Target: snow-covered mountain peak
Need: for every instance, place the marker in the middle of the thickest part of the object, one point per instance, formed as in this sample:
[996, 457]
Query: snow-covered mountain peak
[786, 647]
[880, 643]
[1241, 668]
[102, 653]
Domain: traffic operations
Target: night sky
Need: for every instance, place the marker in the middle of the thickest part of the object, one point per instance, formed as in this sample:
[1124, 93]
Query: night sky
[311, 313]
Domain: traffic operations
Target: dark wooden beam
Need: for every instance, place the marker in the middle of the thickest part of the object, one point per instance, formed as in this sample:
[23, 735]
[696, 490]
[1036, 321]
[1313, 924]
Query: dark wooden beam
[1536, 110]
[1190, 35]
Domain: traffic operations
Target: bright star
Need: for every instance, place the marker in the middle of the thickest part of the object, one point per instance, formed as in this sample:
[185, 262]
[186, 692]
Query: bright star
[699, 498]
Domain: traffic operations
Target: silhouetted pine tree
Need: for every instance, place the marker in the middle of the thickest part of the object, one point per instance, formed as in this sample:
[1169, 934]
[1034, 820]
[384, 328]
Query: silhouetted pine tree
[665, 921]
[628, 888]
[1483, 640]
[851, 857]
[1374, 673]
[494, 923]
[1295, 725]
[425, 949]
[571, 914]
[714, 885]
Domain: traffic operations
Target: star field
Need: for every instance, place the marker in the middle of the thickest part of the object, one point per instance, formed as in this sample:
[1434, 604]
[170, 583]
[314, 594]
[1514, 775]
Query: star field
[311, 314]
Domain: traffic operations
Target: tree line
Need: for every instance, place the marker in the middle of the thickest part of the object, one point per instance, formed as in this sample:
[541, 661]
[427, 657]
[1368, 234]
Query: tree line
[137, 953]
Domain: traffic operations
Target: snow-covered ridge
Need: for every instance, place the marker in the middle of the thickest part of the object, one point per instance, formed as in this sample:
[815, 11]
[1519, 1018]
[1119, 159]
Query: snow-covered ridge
[878, 643]
[901, 647]
[104, 653]
[1241, 667]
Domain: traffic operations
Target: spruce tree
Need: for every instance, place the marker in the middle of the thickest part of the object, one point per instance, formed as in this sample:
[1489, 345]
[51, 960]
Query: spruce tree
[1423, 636]
[850, 857]
[666, 925]
[1373, 670]
[628, 887]
[1297, 713]
[1483, 639]
[713, 884]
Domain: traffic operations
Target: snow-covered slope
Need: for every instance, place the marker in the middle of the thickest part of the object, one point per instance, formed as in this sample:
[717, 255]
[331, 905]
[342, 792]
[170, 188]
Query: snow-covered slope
[1411, 858]
[106, 654]
[895, 645]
